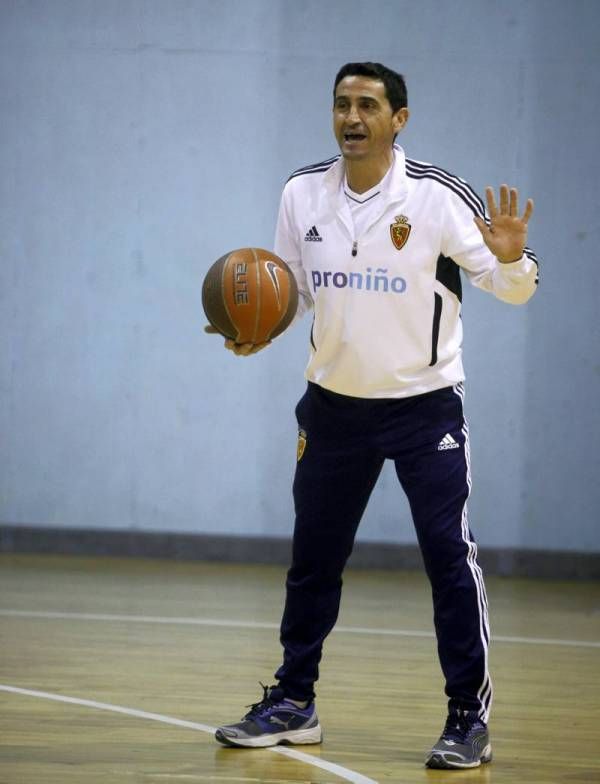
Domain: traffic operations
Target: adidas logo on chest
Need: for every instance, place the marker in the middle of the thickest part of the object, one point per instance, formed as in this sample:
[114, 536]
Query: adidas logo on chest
[312, 235]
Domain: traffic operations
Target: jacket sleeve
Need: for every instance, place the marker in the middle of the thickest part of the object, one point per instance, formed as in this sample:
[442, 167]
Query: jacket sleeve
[287, 247]
[462, 242]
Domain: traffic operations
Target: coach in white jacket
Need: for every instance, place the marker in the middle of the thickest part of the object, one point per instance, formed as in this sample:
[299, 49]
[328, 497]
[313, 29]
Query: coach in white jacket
[376, 242]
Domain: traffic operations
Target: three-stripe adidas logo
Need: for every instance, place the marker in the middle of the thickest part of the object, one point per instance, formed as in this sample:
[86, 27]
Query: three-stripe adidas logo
[312, 235]
[447, 442]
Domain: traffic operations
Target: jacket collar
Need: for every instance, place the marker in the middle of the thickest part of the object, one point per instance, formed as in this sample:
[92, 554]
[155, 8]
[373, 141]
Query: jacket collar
[397, 185]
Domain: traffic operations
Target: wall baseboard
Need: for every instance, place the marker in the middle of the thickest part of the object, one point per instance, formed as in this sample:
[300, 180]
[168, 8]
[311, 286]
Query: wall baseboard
[509, 562]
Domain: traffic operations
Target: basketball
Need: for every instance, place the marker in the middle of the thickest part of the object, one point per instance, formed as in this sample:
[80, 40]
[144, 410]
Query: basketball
[250, 295]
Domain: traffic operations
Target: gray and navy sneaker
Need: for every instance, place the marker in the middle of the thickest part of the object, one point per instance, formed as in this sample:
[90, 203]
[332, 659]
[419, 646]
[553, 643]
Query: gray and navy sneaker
[464, 743]
[271, 721]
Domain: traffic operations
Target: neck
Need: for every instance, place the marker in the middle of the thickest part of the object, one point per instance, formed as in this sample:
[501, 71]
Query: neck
[364, 175]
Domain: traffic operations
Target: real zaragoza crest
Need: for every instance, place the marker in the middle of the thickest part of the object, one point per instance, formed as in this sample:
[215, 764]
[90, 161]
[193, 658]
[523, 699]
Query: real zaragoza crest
[400, 231]
[301, 444]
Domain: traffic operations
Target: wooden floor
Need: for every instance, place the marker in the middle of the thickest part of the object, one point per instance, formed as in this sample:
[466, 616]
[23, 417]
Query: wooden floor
[190, 641]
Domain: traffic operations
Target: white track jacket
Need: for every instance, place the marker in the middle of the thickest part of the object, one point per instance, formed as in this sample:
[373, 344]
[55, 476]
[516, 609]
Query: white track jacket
[387, 303]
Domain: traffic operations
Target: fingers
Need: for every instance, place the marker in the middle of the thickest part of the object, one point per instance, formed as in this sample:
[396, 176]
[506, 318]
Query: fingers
[528, 211]
[509, 203]
[504, 200]
[245, 349]
[239, 349]
[482, 226]
[491, 202]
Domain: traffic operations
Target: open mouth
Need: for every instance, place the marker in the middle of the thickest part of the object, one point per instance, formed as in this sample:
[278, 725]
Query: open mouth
[354, 137]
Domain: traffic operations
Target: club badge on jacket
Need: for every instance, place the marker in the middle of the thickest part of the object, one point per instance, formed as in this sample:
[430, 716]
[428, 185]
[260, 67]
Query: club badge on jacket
[400, 231]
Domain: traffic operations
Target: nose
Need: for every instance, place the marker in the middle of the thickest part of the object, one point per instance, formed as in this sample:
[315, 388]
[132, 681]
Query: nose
[353, 117]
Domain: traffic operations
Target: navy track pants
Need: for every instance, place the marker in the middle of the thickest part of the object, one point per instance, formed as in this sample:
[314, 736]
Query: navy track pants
[347, 441]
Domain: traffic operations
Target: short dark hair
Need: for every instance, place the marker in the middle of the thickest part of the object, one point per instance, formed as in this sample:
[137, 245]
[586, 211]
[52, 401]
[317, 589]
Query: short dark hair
[395, 86]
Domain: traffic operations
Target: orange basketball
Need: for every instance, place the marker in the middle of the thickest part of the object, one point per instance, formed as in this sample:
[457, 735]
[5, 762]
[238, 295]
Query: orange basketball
[250, 295]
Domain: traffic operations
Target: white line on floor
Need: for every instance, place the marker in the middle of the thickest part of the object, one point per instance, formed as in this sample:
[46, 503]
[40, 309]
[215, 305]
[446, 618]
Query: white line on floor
[331, 767]
[236, 624]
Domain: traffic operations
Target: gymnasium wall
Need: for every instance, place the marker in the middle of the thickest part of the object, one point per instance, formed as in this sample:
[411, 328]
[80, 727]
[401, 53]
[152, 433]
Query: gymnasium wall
[140, 140]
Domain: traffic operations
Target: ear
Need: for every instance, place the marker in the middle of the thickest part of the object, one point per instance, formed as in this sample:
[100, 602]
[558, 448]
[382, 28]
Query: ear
[400, 118]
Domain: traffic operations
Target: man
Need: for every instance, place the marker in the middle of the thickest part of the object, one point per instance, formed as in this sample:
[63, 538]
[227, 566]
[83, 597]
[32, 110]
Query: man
[376, 242]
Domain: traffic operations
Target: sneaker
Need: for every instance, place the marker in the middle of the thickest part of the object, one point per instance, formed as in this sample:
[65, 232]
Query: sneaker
[464, 743]
[271, 721]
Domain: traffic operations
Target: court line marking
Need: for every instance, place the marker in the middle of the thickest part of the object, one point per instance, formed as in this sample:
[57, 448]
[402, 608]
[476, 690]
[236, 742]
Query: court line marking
[235, 624]
[330, 767]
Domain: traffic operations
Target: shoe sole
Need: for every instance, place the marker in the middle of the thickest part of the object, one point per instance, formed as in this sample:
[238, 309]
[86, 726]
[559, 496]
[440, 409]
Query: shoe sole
[439, 761]
[312, 735]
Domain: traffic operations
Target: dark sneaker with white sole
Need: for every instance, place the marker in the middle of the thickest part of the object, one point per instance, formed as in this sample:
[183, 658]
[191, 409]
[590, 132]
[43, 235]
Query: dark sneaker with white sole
[464, 743]
[271, 721]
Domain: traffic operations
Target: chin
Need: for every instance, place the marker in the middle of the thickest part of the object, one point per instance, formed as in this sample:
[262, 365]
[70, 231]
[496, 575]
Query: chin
[353, 155]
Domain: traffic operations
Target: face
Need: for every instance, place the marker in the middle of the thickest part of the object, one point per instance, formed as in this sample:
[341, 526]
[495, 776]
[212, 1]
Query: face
[363, 121]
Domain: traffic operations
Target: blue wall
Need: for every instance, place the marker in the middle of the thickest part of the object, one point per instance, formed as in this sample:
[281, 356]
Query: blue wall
[139, 141]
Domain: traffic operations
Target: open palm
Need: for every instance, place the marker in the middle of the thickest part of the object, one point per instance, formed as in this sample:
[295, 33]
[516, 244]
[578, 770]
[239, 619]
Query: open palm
[506, 235]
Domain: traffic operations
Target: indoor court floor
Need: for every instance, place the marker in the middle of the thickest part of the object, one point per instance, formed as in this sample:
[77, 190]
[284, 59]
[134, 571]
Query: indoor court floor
[118, 670]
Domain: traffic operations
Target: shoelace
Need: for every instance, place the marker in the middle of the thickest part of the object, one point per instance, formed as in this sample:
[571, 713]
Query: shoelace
[458, 726]
[265, 703]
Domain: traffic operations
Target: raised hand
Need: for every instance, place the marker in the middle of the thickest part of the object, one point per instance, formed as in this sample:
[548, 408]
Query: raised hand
[240, 349]
[506, 235]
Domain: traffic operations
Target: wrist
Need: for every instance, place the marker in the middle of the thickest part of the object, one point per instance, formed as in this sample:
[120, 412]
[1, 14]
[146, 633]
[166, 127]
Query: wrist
[509, 261]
